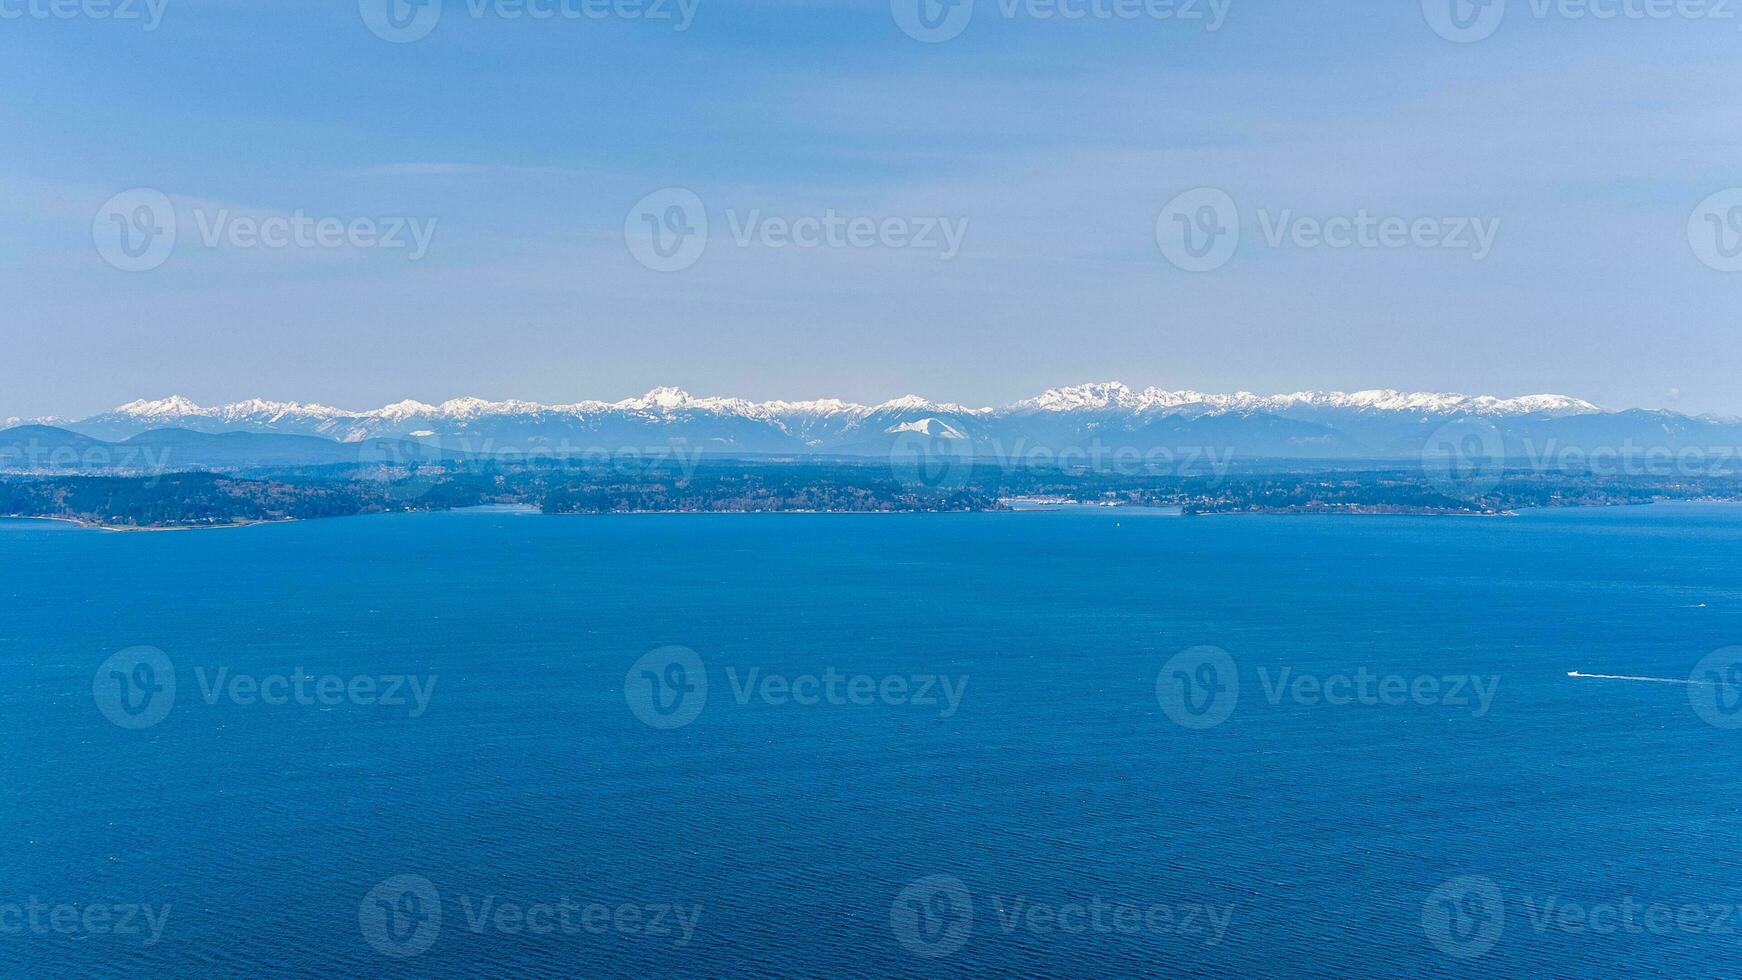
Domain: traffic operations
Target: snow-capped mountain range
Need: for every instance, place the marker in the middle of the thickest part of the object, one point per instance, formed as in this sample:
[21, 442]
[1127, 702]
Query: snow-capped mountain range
[1376, 424]
[1099, 397]
[1113, 395]
[1107, 396]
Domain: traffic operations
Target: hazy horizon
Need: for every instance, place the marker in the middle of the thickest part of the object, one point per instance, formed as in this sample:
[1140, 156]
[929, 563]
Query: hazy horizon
[1546, 176]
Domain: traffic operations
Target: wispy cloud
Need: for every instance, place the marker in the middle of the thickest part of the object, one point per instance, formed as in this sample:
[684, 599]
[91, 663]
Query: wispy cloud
[440, 169]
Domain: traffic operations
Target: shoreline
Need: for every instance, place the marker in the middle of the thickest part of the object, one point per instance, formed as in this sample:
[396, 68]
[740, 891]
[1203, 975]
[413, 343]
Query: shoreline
[1111, 509]
[148, 528]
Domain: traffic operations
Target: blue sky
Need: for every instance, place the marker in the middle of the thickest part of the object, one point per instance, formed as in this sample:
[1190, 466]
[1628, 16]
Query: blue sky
[1053, 145]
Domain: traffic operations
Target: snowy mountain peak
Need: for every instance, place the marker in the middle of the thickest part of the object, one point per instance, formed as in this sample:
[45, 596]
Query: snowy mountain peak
[668, 397]
[473, 408]
[664, 399]
[172, 407]
[906, 401]
[404, 410]
[936, 428]
[1098, 395]
[914, 403]
[819, 406]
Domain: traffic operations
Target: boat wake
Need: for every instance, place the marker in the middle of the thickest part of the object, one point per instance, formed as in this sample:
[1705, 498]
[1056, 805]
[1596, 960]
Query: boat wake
[1652, 680]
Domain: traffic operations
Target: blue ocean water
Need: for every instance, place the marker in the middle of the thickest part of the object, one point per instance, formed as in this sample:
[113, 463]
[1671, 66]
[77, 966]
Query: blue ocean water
[1060, 820]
